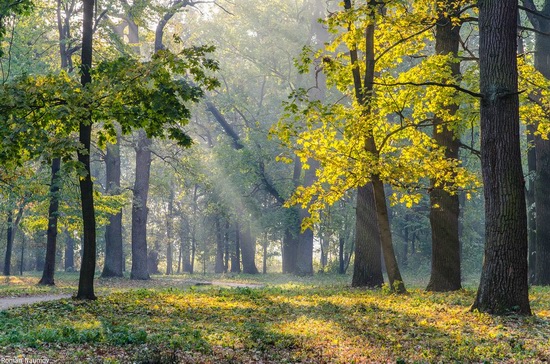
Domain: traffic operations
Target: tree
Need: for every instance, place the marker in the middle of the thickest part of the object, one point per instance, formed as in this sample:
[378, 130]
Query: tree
[444, 211]
[540, 255]
[503, 287]
[114, 264]
[53, 210]
[87, 269]
[65, 54]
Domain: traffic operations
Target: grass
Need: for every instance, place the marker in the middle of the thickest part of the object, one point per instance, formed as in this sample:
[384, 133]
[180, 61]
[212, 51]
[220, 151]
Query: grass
[312, 320]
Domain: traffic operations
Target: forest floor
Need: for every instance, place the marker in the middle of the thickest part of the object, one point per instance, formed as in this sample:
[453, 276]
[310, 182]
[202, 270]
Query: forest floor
[269, 319]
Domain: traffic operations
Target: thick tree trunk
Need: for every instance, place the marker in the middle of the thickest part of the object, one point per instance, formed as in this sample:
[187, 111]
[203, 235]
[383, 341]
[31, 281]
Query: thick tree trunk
[542, 147]
[113, 232]
[290, 240]
[139, 208]
[444, 207]
[503, 287]
[51, 235]
[184, 263]
[367, 269]
[248, 250]
[542, 208]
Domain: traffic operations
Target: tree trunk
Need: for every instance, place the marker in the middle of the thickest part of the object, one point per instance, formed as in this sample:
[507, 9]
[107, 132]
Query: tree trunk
[290, 240]
[139, 208]
[87, 266]
[113, 231]
[69, 253]
[444, 207]
[542, 147]
[9, 245]
[264, 260]
[22, 261]
[532, 172]
[503, 287]
[530, 200]
[392, 268]
[170, 234]
[194, 229]
[341, 261]
[226, 246]
[363, 91]
[218, 267]
[236, 257]
[51, 235]
[367, 269]
[248, 250]
[304, 256]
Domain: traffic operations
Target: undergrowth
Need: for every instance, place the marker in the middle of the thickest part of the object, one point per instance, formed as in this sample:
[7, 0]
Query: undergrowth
[298, 321]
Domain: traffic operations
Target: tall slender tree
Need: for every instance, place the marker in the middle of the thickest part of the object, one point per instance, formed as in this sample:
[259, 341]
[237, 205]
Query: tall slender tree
[65, 54]
[87, 269]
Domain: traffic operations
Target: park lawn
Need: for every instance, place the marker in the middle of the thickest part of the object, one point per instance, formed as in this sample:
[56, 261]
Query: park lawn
[298, 321]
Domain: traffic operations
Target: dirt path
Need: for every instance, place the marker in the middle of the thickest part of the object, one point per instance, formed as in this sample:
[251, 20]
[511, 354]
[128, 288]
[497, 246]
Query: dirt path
[8, 302]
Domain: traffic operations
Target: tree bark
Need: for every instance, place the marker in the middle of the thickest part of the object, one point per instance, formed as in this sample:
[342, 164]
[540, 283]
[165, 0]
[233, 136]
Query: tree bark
[69, 253]
[503, 287]
[113, 266]
[9, 245]
[218, 267]
[248, 250]
[53, 210]
[367, 269]
[542, 164]
[170, 234]
[140, 269]
[304, 251]
[87, 267]
[444, 207]
[363, 91]
[51, 235]
[236, 257]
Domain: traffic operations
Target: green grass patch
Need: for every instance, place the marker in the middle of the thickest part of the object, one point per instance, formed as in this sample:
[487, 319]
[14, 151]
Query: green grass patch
[301, 320]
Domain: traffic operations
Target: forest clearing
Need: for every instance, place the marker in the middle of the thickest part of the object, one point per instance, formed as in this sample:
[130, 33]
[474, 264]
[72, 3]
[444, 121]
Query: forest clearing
[316, 181]
[308, 320]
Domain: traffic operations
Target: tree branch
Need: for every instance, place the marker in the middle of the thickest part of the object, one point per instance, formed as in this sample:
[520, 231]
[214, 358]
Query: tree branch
[456, 87]
[225, 125]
